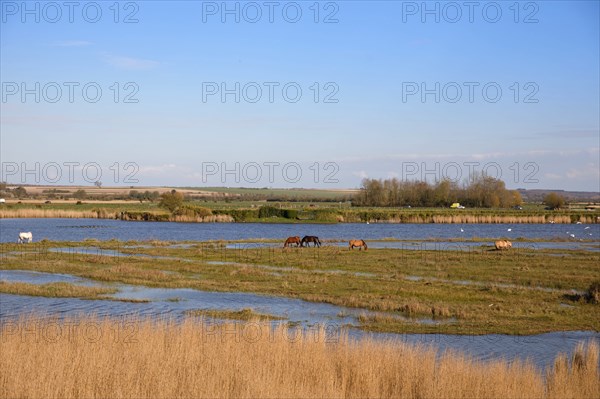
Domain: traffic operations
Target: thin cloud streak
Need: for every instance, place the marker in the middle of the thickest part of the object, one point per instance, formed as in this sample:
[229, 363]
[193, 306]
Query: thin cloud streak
[130, 63]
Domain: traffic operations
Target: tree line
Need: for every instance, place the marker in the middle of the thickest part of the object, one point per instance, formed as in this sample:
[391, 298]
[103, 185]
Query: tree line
[480, 191]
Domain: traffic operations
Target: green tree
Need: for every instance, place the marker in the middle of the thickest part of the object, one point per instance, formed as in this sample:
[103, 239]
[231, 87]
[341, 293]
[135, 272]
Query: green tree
[171, 201]
[80, 194]
[20, 192]
[554, 201]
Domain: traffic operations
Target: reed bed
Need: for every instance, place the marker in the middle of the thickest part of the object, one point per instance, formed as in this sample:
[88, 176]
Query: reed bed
[202, 219]
[376, 216]
[49, 213]
[163, 359]
[104, 214]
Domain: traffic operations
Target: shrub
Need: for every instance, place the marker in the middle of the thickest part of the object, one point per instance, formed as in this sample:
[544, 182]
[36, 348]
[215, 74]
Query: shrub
[193, 211]
[269, 211]
[554, 201]
[290, 213]
[171, 201]
[238, 215]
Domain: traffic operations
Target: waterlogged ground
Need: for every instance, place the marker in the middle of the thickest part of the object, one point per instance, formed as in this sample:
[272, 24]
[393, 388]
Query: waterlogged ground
[527, 302]
[541, 349]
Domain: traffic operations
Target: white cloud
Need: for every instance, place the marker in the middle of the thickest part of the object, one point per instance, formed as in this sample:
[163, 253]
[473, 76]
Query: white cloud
[585, 172]
[361, 174]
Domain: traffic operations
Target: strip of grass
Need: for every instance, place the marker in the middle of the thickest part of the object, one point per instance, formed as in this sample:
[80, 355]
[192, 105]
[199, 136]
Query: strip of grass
[244, 314]
[55, 290]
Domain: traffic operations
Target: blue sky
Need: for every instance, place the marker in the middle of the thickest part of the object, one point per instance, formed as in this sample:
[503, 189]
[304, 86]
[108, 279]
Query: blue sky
[371, 62]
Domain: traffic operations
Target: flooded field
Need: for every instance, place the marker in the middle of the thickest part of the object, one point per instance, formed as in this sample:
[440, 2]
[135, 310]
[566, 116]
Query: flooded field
[173, 303]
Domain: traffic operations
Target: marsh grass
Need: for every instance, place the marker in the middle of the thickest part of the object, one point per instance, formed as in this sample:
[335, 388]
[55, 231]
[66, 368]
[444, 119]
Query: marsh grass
[244, 314]
[48, 213]
[161, 359]
[324, 213]
[55, 290]
[514, 292]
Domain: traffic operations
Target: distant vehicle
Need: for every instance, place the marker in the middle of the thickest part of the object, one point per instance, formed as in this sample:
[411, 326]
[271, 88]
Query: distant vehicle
[518, 207]
[456, 205]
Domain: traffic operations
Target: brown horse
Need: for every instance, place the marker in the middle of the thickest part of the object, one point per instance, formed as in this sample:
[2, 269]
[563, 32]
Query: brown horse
[292, 240]
[357, 243]
[314, 239]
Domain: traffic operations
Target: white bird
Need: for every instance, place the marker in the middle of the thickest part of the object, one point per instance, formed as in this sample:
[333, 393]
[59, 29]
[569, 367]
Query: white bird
[587, 228]
[573, 235]
[552, 221]
[509, 230]
[578, 223]
[462, 231]
[367, 222]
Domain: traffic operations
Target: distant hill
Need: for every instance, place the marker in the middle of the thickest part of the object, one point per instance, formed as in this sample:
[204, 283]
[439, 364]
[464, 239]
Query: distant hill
[537, 195]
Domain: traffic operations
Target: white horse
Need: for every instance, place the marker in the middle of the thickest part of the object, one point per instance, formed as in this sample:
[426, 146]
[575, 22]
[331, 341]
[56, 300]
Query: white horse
[25, 237]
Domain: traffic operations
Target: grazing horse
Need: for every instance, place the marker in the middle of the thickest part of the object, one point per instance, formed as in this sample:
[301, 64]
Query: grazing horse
[314, 239]
[357, 243]
[25, 237]
[503, 244]
[292, 240]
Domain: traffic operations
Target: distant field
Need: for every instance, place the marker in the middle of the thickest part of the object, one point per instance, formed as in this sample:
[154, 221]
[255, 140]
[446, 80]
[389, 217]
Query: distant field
[282, 192]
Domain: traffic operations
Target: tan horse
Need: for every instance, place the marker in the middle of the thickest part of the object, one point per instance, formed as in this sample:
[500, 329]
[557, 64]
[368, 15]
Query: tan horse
[292, 240]
[503, 244]
[357, 243]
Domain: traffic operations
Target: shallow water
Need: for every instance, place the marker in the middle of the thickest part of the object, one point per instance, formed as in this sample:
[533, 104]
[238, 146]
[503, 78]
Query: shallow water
[173, 302]
[104, 229]
[540, 349]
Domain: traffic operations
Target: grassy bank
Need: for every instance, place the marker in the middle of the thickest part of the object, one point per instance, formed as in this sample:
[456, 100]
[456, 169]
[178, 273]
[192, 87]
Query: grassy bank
[244, 314]
[522, 291]
[150, 359]
[55, 290]
[292, 213]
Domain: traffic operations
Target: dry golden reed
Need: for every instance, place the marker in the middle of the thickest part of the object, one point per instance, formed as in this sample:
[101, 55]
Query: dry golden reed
[162, 359]
[47, 213]
[101, 214]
